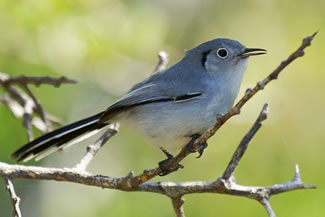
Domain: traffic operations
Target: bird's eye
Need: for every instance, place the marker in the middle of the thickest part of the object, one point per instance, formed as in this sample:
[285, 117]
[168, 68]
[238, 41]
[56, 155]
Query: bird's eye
[222, 53]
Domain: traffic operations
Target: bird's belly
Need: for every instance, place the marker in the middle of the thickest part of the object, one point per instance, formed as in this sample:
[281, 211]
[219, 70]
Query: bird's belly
[170, 125]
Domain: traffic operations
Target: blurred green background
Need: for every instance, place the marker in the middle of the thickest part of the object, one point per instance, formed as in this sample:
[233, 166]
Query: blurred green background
[108, 45]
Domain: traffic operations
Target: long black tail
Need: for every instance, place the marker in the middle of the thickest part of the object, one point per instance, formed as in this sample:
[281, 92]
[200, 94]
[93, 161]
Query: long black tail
[57, 139]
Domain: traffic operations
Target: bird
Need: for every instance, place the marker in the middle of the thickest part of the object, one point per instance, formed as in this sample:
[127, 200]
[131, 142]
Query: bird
[171, 107]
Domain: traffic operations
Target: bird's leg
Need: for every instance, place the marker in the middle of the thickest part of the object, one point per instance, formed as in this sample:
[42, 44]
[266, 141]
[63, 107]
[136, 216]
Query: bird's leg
[164, 165]
[189, 145]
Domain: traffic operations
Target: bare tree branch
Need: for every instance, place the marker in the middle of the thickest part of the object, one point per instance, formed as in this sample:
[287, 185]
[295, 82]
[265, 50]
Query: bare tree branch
[94, 148]
[163, 61]
[14, 198]
[27, 118]
[178, 206]
[38, 108]
[124, 183]
[18, 111]
[24, 105]
[240, 151]
[266, 203]
[174, 190]
[37, 81]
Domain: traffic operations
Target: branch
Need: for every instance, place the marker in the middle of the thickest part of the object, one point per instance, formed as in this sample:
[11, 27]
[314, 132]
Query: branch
[162, 63]
[14, 198]
[23, 103]
[178, 206]
[242, 147]
[171, 189]
[175, 190]
[5, 80]
[94, 148]
[266, 203]
[38, 108]
[18, 111]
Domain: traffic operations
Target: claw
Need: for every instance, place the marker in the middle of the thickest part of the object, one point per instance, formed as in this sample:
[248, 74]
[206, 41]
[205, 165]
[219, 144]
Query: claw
[165, 169]
[163, 165]
[202, 148]
[189, 145]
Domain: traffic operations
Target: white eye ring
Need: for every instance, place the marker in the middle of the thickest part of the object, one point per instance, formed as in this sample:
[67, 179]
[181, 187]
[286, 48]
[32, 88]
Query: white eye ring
[222, 53]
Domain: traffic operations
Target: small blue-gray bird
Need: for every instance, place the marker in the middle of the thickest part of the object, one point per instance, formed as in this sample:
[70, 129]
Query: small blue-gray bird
[172, 107]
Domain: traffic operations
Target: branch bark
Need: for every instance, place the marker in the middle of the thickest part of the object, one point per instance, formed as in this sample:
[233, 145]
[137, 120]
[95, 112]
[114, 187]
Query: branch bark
[178, 206]
[14, 198]
[94, 148]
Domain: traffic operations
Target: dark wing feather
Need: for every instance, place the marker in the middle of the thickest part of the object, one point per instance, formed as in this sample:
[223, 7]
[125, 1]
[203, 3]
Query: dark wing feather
[149, 93]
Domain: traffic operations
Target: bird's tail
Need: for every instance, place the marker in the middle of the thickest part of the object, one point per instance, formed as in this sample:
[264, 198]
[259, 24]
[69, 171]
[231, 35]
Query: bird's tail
[60, 138]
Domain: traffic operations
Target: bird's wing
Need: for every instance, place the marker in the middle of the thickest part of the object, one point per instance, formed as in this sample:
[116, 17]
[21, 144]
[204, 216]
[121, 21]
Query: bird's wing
[148, 93]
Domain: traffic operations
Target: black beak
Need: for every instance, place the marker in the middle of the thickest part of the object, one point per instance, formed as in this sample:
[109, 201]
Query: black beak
[252, 52]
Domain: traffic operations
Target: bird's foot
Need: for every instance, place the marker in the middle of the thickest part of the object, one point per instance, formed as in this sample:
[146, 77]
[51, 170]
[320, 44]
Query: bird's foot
[202, 147]
[165, 164]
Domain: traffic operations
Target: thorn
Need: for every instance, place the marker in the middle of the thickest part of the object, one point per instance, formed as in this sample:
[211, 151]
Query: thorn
[308, 39]
[264, 113]
[297, 176]
[312, 36]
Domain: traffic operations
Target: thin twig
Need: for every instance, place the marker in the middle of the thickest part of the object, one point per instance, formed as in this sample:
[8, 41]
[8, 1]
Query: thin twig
[18, 111]
[54, 119]
[178, 206]
[28, 102]
[162, 63]
[27, 118]
[94, 148]
[266, 203]
[240, 151]
[37, 81]
[14, 198]
[38, 108]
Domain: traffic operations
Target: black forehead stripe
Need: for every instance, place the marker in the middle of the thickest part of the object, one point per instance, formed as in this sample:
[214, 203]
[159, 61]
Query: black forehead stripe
[204, 57]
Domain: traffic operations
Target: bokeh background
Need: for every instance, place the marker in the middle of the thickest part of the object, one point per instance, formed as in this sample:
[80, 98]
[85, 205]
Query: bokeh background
[108, 45]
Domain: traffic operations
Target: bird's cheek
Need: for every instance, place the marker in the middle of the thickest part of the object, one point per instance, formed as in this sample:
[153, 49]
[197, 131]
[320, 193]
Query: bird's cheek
[212, 65]
[212, 68]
